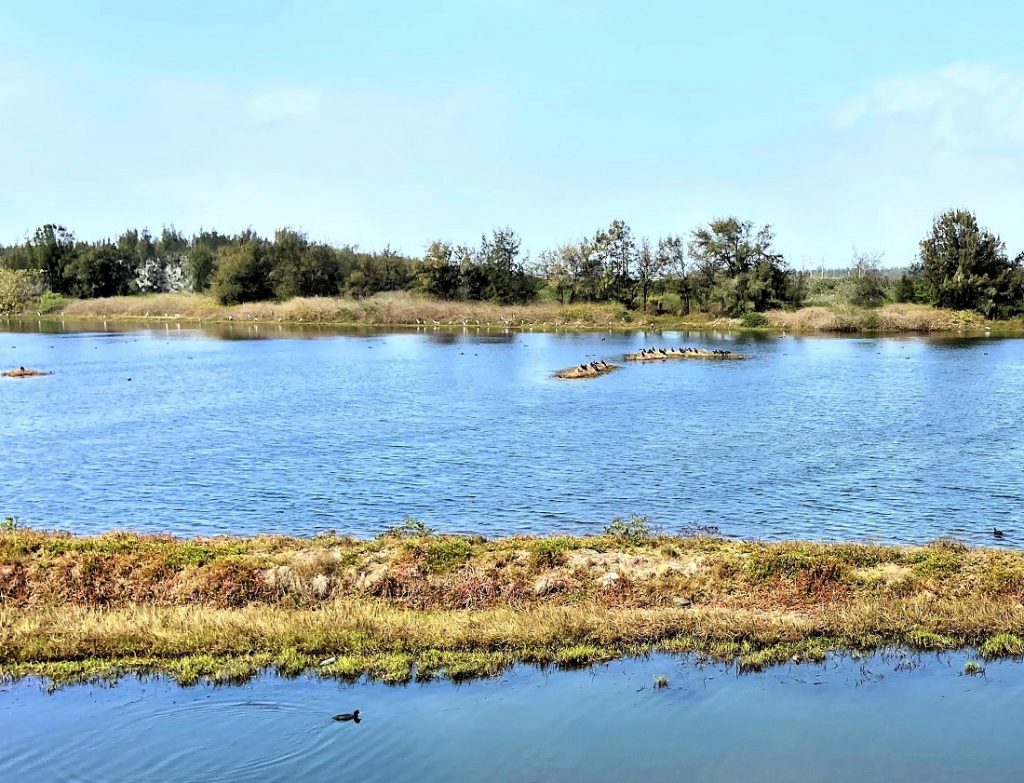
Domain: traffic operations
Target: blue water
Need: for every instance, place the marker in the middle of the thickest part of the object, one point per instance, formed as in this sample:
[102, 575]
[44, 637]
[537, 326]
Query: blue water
[892, 719]
[172, 429]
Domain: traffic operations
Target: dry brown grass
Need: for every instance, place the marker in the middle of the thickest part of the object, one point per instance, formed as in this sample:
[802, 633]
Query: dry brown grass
[224, 608]
[890, 318]
[404, 309]
[399, 309]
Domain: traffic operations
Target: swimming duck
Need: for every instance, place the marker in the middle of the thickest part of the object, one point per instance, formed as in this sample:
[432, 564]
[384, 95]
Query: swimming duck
[348, 716]
[997, 533]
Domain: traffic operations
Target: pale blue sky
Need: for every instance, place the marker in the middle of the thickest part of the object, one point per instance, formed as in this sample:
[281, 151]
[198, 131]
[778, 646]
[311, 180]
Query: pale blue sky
[400, 122]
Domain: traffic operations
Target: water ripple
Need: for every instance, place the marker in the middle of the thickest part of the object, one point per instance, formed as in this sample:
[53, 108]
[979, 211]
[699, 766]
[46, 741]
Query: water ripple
[813, 438]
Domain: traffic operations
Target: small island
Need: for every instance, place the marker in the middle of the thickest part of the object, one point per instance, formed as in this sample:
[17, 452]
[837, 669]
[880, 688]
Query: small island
[661, 354]
[589, 370]
[24, 372]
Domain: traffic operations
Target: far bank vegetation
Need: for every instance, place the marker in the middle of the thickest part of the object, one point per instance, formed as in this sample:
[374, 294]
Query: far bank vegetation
[729, 270]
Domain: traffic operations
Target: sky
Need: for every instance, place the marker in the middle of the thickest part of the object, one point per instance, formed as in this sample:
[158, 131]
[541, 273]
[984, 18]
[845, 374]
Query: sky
[846, 126]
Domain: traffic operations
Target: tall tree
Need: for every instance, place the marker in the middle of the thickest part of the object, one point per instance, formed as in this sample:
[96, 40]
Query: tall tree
[100, 270]
[499, 258]
[738, 266]
[617, 250]
[201, 259]
[286, 256]
[964, 265]
[439, 272]
[53, 248]
[672, 260]
[868, 286]
[243, 273]
[649, 267]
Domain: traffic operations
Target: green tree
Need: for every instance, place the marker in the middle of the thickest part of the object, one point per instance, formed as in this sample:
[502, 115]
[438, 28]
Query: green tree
[243, 274]
[498, 257]
[99, 270]
[472, 274]
[736, 267]
[905, 291]
[965, 266]
[53, 248]
[868, 285]
[17, 288]
[672, 258]
[439, 272]
[298, 270]
[201, 259]
[650, 266]
[617, 251]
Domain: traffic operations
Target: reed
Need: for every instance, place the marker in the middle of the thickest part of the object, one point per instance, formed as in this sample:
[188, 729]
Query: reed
[405, 309]
[388, 309]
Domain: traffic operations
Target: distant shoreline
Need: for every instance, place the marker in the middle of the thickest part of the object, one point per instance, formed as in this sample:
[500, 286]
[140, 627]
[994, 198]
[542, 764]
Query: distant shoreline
[402, 310]
[412, 604]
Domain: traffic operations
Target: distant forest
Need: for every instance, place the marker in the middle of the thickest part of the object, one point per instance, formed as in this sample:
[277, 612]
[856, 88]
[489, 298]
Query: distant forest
[728, 267]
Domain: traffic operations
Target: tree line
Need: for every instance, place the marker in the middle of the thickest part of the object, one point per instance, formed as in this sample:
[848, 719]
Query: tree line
[727, 267]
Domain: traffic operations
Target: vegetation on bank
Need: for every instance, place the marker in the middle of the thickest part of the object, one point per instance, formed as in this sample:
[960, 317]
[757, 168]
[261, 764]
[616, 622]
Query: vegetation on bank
[729, 268]
[402, 309]
[413, 604]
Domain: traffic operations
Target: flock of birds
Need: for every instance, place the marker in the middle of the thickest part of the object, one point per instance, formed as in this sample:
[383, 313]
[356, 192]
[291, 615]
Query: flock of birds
[598, 366]
[653, 352]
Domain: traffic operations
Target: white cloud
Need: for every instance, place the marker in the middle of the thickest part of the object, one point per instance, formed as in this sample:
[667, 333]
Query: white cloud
[908, 147]
[272, 106]
[961, 106]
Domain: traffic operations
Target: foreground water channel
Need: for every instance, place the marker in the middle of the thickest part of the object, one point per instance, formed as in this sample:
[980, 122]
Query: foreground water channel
[894, 717]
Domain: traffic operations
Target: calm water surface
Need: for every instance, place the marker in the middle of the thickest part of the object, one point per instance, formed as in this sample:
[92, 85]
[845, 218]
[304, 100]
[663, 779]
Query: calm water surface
[891, 720]
[892, 439]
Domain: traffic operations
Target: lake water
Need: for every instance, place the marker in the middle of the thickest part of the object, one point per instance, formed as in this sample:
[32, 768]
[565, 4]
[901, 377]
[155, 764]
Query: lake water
[892, 719]
[175, 429]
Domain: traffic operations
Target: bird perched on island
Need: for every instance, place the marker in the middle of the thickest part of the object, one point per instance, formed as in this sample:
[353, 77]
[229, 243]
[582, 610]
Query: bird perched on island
[345, 717]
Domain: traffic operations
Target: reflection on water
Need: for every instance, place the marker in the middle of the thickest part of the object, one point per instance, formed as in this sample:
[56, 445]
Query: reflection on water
[894, 439]
[893, 719]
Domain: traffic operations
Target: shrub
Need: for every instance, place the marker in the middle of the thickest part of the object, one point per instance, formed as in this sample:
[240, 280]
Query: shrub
[17, 288]
[410, 528]
[49, 302]
[938, 563]
[243, 275]
[550, 552]
[637, 528]
[868, 290]
[753, 320]
[445, 554]
[949, 544]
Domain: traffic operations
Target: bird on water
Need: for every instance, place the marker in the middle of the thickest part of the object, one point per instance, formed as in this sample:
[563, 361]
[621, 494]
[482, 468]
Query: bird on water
[997, 533]
[348, 716]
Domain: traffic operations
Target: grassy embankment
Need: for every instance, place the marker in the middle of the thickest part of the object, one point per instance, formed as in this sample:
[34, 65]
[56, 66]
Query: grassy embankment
[398, 607]
[400, 309]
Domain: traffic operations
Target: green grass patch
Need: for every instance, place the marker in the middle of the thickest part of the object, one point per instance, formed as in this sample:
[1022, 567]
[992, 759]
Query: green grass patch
[551, 552]
[1003, 645]
[444, 554]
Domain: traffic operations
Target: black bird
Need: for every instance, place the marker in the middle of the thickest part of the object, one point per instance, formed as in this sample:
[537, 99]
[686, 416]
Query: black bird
[345, 717]
[997, 533]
